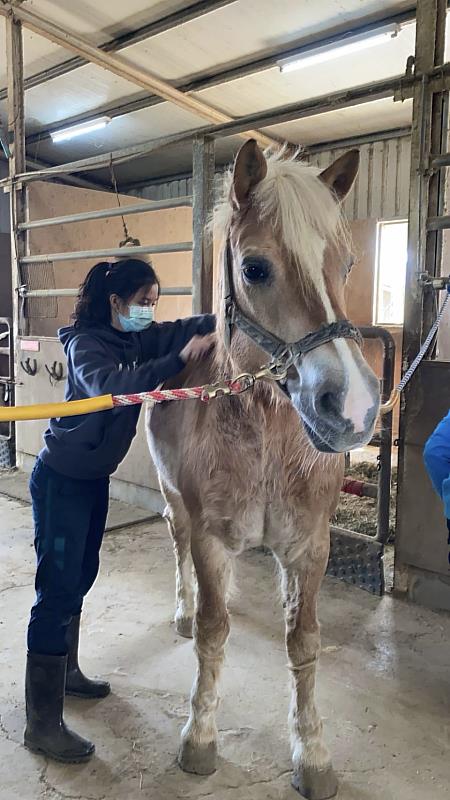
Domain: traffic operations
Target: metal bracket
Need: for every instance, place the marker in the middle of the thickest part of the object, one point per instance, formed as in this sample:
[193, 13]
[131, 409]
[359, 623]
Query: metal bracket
[439, 284]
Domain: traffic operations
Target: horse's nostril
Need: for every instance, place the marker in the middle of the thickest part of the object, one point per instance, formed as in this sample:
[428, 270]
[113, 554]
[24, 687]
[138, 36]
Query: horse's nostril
[329, 404]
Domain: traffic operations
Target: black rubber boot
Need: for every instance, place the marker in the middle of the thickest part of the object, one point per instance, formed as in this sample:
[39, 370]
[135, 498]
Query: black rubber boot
[76, 683]
[46, 731]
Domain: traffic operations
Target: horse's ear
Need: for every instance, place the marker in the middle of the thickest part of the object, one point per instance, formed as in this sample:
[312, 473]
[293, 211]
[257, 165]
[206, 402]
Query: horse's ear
[340, 175]
[249, 169]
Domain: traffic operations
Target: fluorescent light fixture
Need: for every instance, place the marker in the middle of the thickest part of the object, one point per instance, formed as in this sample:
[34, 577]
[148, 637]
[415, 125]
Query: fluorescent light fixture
[65, 134]
[345, 46]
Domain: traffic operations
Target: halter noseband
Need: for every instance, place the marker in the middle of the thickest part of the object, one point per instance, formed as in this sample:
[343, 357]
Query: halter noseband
[282, 353]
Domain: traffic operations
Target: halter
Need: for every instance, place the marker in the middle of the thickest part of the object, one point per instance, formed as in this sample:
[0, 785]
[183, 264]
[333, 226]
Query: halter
[282, 353]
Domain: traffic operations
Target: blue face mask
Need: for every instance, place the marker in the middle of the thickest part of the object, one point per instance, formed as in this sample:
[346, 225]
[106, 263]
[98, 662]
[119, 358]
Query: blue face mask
[140, 317]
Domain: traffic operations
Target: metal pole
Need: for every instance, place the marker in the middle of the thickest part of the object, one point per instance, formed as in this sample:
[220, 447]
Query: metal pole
[115, 252]
[203, 166]
[436, 185]
[438, 223]
[139, 208]
[385, 438]
[17, 164]
[169, 291]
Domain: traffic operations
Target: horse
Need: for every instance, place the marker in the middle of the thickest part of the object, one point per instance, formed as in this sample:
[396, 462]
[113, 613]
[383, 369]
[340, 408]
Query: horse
[265, 467]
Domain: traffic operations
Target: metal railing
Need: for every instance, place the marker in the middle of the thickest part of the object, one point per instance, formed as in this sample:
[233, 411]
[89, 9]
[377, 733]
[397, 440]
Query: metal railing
[112, 252]
[115, 252]
[106, 213]
[356, 557]
[169, 291]
[384, 439]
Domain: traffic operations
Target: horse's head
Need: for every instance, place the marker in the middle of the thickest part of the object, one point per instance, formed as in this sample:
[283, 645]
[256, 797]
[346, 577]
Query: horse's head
[287, 256]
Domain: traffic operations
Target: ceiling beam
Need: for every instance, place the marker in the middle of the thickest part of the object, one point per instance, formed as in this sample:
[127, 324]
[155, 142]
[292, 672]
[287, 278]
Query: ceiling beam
[358, 141]
[144, 32]
[118, 66]
[368, 92]
[241, 68]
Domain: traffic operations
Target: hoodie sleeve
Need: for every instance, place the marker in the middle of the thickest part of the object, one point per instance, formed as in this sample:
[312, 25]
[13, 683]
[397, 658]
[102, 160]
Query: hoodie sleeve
[163, 338]
[437, 457]
[94, 372]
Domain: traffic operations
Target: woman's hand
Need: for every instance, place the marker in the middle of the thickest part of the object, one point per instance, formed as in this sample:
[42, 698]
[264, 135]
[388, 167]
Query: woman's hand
[198, 347]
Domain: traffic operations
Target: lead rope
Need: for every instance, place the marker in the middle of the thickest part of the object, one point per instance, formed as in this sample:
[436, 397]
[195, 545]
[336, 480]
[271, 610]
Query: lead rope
[393, 401]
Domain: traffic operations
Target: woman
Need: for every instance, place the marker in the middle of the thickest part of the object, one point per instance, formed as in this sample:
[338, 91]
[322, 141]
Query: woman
[113, 347]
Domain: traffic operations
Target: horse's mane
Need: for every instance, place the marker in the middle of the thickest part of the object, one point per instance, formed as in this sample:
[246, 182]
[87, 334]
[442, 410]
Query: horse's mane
[302, 209]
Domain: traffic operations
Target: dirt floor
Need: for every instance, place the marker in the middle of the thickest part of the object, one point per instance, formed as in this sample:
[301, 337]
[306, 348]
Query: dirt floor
[383, 684]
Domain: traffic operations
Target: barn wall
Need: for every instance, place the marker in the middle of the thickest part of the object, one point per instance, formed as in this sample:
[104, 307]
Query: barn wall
[381, 189]
[380, 192]
[159, 227]
[5, 274]
[4, 202]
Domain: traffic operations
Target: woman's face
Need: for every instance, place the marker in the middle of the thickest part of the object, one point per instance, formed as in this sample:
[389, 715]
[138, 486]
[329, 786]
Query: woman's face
[145, 297]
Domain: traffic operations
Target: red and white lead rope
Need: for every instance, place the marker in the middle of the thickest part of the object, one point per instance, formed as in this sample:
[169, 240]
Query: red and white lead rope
[162, 395]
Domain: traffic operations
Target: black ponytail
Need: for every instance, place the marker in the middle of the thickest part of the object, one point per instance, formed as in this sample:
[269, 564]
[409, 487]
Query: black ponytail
[123, 278]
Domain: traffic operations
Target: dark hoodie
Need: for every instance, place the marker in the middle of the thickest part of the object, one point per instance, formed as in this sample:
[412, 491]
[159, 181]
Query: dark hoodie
[102, 360]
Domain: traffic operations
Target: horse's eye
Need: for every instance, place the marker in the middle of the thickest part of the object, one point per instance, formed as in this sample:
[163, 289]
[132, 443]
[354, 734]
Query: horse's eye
[255, 270]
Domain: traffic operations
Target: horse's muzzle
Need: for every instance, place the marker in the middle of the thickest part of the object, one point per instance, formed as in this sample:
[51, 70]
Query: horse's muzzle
[337, 415]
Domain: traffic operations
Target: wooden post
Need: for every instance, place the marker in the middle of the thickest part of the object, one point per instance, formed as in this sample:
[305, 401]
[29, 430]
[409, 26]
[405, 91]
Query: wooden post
[203, 164]
[16, 145]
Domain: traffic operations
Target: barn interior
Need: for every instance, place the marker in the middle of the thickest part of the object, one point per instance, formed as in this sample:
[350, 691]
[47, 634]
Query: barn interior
[117, 126]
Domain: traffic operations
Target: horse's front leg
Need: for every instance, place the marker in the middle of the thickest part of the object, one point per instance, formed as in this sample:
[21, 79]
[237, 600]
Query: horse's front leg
[198, 751]
[179, 524]
[313, 776]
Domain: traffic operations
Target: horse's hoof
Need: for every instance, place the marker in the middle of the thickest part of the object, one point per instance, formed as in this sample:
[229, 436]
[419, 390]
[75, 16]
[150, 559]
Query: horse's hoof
[315, 784]
[183, 626]
[200, 759]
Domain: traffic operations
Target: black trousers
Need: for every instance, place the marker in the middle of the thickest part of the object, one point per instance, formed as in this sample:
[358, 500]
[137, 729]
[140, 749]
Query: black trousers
[69, 519]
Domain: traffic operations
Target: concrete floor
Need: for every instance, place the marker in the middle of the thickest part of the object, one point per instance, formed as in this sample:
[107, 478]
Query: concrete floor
[383, 687]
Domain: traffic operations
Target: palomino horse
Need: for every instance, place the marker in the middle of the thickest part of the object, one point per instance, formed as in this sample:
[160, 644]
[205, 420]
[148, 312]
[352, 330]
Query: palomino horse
[265, 468]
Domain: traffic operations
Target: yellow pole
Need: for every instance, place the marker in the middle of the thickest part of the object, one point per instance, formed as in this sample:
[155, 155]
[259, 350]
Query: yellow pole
[47, 410]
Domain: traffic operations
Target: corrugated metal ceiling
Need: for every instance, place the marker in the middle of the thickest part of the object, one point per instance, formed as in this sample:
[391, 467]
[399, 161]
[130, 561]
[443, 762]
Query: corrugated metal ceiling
[225, 35]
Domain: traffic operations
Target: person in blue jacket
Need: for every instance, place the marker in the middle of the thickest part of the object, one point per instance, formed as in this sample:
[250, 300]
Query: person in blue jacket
[113, 347]
[437, 461]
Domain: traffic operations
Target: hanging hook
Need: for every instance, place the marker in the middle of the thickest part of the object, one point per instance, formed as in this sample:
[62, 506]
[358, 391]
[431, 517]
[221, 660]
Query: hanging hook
[28, 366]
[56, 371]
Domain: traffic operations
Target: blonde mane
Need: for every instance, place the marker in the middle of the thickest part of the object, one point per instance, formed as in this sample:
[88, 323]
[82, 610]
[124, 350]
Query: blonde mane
[302, 210]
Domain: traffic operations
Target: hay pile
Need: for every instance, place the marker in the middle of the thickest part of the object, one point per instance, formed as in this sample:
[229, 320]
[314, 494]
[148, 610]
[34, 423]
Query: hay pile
[360, 513]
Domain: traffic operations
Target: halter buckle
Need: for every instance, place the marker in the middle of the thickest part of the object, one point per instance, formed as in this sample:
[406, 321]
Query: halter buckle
[275, 371]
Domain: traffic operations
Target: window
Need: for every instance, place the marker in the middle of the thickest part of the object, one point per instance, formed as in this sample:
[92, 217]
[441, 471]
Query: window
[390, 272]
